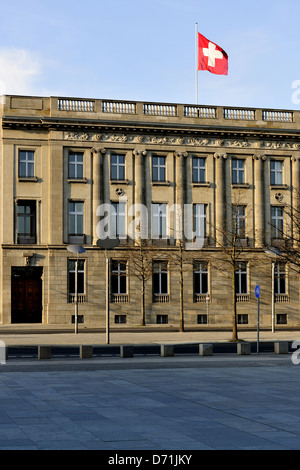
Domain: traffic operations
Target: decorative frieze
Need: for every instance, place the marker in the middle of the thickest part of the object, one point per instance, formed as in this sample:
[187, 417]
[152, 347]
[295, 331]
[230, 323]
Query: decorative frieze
[179, 140]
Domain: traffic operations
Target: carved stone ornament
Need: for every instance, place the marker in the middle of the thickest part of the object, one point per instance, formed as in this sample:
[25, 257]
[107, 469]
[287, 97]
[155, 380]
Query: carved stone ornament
[120, 192]
[279, 197]
[176, 140]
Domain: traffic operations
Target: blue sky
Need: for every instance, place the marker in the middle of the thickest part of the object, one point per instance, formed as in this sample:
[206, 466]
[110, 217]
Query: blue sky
[145, 50]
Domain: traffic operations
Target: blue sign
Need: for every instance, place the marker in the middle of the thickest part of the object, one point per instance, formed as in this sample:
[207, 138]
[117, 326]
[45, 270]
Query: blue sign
[257, 292]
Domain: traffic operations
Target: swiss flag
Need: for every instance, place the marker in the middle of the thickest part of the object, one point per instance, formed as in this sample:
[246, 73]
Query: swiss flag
[211, 57]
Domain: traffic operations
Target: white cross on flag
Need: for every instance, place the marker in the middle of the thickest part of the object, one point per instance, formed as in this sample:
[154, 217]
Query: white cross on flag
[211, 57]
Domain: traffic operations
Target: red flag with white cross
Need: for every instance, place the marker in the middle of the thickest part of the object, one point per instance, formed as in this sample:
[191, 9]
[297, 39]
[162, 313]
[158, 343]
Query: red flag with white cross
[211, 57]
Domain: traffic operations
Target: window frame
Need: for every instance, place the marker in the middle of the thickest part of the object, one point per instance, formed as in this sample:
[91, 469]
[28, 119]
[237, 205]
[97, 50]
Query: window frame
[118, 165]
[28, 164]
[241, 278]
[26, 237]
[161, 167]
[238, 171]
[198, 169]
[80, 273]
[76, 214]
[119, 219]
[76, 164]
[163, 270]
[118, 274]
[277, 228]
[200, 220]
[199, 270]
[276, 175]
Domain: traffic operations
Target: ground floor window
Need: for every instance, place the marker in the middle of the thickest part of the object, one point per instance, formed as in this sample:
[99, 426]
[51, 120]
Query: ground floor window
[281, 319]
[120, 319]
[243, 319]
[162, 319]
[202, 319]
[80, 280]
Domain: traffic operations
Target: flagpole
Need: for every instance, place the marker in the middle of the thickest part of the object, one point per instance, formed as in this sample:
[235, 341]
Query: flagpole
[196, 60]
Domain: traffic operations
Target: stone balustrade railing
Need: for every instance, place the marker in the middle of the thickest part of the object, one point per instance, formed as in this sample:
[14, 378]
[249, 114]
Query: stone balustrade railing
[139, 111]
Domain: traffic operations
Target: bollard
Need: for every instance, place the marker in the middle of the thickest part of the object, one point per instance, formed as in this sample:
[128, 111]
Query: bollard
[126, 351]
[244, 348]
[86, 352]
[205, 349]
[44, 352]
[166, 350]
[282, 347]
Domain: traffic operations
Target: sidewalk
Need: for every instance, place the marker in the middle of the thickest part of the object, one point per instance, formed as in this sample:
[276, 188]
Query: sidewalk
[22, 335]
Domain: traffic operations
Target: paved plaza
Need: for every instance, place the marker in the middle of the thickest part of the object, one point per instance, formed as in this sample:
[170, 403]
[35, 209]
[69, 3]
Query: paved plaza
[151, 403]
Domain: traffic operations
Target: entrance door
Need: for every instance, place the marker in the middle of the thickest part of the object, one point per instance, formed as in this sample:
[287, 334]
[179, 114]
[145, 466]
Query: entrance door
[26, 295]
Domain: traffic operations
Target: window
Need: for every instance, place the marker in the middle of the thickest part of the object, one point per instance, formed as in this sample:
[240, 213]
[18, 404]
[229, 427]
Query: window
[200, 220]
[277, 221]
[80, 280]
[76, 165]
[241, 275]
[159, 220]
[117, 167]
[199, 175]
[202, 319]
[120, 319]
[160, 278]
[239, 221]
[238, 171]
[26, 222]
[276, 172]
[162, 319]
[158, 169]
[26, 164]
[280, 278]
[281, 319]
[118, 219]
[242, 319]
[76, 213]
[118, 277]
[200, 278]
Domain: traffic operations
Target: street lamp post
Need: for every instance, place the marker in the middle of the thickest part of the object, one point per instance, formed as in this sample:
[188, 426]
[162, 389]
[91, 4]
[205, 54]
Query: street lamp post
[76, 250]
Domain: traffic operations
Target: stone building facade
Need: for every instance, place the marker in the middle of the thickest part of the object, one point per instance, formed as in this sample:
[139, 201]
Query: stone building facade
[63, 159]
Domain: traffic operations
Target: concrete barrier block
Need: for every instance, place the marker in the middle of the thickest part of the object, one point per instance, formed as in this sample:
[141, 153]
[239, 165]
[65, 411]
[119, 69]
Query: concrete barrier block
[281, 347]
[86, 352]
[44, 352]
[205, 349]
[126, 351]
[166, 350]
[244, 348]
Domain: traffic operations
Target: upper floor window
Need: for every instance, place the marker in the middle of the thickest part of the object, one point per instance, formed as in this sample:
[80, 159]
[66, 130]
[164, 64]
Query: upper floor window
[200, 220]
[26, 222]
[238, 171]
[199, 168]
[118, 219]
[277, 220]
[76, 165]
[26, 164]
[276, 172]
[76, 218]
[117, 167]
[158, 169]
[239, 221]
[159, 220]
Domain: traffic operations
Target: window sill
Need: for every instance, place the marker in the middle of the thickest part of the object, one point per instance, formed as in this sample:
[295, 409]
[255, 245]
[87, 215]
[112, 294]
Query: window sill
[119, 182]
[281, 298]
[76, 239]
[242, 298]
[278, 186]
[24, 179]
[161, 298]
[77, 180]
[201, 185]
[119, 298]
[240, 185]
[161, 183]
